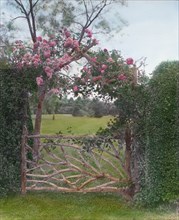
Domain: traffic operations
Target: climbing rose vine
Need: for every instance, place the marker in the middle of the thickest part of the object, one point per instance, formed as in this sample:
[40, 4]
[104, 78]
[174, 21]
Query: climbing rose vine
[53, 54]
[107, 73]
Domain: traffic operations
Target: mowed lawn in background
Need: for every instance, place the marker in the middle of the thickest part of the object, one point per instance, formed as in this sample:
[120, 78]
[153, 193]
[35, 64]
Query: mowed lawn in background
[77, 125]
[74, 206]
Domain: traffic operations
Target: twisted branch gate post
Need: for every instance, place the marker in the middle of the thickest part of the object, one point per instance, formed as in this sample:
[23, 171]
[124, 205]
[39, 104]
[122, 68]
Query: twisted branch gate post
[23, 161]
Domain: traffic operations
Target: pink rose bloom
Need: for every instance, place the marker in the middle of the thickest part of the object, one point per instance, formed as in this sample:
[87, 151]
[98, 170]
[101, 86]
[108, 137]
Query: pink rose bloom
[45, 41]
[36, 44]
[75, 88]
[102, 71]
[36, 63]
[129, 61]
[54, 91]
[85, 69]
[67, 33]
[89, 33]
[39, 80]
[39, 38]
[48, 71]
[93, 59]
[96, 78]
[75, 44]
[110, 60]
[52, 44]
[68, 42]
[122, 77]
[47, 54]
[104, 67]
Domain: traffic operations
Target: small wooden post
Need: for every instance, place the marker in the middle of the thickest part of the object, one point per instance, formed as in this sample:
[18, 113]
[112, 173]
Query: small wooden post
[23, 161]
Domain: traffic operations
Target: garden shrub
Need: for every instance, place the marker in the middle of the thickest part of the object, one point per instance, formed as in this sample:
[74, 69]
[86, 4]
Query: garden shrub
[13, 101]
[161, 180]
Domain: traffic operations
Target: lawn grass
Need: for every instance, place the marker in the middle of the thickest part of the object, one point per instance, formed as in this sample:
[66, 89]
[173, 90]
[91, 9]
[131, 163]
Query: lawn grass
[68, 206]
[77, 125]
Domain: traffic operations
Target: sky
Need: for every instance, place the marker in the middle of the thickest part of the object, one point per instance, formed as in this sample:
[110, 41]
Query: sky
[152, 31]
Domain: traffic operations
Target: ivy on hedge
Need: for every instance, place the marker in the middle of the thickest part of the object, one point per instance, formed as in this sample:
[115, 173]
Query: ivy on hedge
[13, 101]
[161, 182]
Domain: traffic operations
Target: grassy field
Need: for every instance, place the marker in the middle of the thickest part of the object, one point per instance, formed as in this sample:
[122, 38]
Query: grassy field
[77, 125]
[62, 206]
[71, 206]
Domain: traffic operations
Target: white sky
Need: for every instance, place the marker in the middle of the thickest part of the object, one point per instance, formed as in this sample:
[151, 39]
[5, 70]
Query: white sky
[153, 31]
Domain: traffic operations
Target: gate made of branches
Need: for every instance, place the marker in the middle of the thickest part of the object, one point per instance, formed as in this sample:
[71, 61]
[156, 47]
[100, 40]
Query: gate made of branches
[74, 164]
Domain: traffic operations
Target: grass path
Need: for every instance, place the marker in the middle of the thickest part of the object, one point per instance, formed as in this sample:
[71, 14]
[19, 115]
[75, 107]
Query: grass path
[67, 206]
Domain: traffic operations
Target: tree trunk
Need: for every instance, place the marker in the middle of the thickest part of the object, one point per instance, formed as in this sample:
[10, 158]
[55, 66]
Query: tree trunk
[38, 120]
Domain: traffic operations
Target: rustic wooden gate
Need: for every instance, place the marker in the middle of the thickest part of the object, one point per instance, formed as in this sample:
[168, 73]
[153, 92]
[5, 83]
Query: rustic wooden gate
[74, 164]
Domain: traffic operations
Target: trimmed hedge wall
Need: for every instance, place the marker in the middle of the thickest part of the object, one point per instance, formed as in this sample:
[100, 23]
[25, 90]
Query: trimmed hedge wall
[162, 143]
[13, 104]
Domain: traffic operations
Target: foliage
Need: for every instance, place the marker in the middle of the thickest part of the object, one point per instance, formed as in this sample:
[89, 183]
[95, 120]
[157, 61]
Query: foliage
[161, 166]
[12, 107]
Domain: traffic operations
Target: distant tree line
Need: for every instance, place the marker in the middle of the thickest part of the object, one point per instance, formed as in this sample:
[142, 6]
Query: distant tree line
[75, 106]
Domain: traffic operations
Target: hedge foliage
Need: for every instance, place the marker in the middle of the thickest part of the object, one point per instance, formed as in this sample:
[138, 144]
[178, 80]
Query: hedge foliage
[161, 180]
[13, 101]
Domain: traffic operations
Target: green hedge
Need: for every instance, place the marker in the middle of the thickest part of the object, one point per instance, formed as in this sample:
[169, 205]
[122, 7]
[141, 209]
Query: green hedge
[162, 143]
[13, 101]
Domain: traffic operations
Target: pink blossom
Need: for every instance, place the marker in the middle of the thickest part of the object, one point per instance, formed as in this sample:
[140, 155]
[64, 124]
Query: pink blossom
[48, 71]
[89, 33]
[129, 61]
[64, 60]
[52, 43]
[93, 59]
[97, 78]
[39, 80]
[85, 68]
[75, 44]
[122, 77]
[47, 54]
[45, 41]
[39, 38]
[104, 67]
[36, 44]
[105, 50]
[67, 33]
[75, 89]
[102, 71]
[110, 60]
[54, 91]
[68, 42]
[95, 42]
